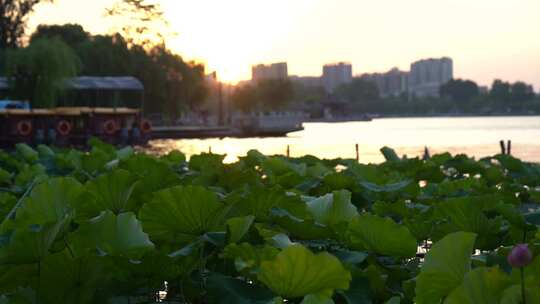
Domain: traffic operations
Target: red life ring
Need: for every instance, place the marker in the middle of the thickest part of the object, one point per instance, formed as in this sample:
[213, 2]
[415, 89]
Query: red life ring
[24, 127]
[63, 127]
[146, 126]
[109, 127]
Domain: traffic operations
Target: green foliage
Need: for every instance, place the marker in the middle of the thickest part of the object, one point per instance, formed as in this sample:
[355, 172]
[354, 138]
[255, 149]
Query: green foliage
[358, 91]
[460, 91]
[112, 226]
[265, 95]
[444, 268]
[38, 72]
[382, 236]
[297, 272]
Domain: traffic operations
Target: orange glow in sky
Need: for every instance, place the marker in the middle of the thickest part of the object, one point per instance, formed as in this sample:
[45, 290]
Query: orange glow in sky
[486, 38]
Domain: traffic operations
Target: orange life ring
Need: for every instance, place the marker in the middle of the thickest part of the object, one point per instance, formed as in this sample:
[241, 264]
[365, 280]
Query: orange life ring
[24, 127]
[109, 127]
[146, 126]
[63, 127]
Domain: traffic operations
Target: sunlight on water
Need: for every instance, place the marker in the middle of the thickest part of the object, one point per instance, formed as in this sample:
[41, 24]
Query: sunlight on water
[476, 136]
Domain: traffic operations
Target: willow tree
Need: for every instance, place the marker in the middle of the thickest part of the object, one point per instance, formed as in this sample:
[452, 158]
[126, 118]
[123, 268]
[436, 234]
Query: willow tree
[39, 72]
[13, 17]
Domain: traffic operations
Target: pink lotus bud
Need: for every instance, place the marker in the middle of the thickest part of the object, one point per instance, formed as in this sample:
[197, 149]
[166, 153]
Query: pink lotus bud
[520, 256]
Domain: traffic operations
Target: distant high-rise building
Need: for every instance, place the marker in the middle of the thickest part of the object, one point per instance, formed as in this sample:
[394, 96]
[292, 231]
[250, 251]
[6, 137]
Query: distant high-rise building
[428, 75]
[392, 83]
[272, 71]
[335, 75]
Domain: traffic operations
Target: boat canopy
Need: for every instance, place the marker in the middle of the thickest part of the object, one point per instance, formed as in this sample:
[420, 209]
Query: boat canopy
[124, 83]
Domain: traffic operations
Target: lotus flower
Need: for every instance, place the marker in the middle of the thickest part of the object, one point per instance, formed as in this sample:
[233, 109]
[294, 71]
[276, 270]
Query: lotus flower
[520, 256]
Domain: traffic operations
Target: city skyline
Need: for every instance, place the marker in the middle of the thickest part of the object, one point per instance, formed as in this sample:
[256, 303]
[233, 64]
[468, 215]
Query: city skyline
[231, 37]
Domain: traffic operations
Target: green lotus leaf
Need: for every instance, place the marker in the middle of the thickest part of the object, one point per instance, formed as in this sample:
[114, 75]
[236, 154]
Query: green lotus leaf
[174, 157]
[260, 201]
[333, 208]
[5, 177]
[382, 236]
[237, 227]
[49, 202]
[389, 154]
[27, 153]
[317, 299]
[65, 279]
[228, 290]
[306, 229]
[480, 286]
[181, 213]
[512, 294]
[154, 175]
[29, 174]
[248, 257]
[359, 292]
[393, 300]
[112, 191]
[467, 214]
[444, 267]
[297, 272]
[29, 244]
[115, 235]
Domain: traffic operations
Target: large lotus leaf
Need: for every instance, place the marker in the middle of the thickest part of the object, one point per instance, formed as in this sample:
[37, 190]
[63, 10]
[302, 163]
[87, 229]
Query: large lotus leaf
[154, 175]
[359, 292]
[302, 228]
[95, 161]
[278, 165]
[7, 202]
[260, 201]
[480, 286]
[338, 181]
[382, 236]
[5, 177]
[466, 214]
[333, 208]
[174, 158]
[27, 153]
[205, 160]
[512, 294]
[248, 257]
[14, 276]
[181, 213]
[65, 279]
[297, 272]
[112, 191]
[21, 296]
[228, 290]
[29, 244]
[49, 202]
[115, 235]
[444, 267]
[29, 174]
[317, 299]
[237, 227]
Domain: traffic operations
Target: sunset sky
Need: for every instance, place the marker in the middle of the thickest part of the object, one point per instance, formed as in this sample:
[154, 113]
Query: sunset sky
[486, 38]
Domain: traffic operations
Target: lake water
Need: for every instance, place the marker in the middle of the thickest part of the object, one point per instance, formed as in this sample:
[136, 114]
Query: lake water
[476, 136]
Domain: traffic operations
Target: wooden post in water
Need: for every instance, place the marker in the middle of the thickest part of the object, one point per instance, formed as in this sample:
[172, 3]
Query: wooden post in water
[357, 153]
[288, 151]
[209, 149]
[509, 147]
[503, 149]
[426, 155]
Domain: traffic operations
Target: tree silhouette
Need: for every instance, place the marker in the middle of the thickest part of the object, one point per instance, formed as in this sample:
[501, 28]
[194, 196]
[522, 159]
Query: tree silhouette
[13, 17]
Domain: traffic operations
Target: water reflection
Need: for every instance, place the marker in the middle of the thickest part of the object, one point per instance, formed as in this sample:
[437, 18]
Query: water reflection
[477, 136]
